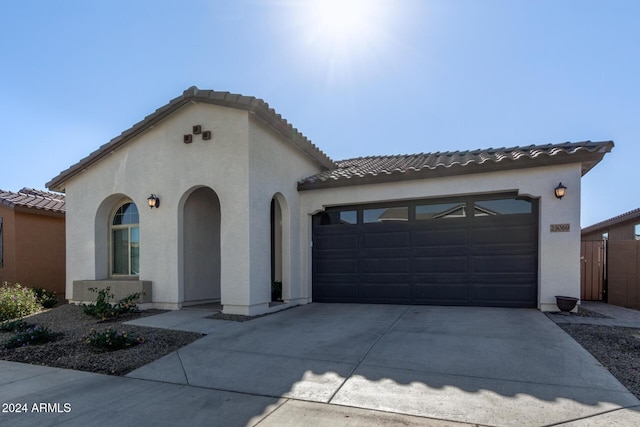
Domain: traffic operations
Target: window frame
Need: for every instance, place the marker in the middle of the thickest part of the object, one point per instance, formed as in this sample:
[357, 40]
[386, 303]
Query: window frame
[129, 228]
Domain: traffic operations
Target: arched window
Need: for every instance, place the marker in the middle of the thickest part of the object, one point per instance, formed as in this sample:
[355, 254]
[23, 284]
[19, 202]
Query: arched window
[125, 241]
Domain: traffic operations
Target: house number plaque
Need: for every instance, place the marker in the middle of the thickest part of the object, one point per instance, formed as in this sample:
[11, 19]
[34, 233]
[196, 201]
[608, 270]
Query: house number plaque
[560, 228]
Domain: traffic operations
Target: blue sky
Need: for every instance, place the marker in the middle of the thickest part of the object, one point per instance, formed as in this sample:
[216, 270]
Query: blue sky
[396, 77]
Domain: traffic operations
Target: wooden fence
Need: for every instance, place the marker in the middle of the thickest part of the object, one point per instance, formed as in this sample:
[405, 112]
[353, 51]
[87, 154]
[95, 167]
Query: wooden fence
[592, 271]
[623, 273]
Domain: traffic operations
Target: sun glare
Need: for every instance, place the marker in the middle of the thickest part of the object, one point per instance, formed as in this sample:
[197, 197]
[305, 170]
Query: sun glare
[343, 27]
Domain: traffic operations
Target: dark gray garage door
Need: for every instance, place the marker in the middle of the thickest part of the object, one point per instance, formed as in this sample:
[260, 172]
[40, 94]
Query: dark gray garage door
[480, 251]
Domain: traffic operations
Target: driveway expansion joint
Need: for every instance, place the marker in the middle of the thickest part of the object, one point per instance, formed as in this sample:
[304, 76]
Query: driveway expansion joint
[359, 363]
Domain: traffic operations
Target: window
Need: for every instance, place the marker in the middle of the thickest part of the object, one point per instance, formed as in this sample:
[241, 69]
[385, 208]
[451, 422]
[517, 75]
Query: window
[1, 252]
[125, 241]
[396, 213]
[605, 236]
[636, 232]
[441, 210]
[502, 207]
[341, 217]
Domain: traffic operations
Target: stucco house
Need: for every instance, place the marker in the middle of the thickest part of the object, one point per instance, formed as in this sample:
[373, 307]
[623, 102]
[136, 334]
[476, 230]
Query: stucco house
[622, 227]
[610, 253]
[242, 198]
[32, 239]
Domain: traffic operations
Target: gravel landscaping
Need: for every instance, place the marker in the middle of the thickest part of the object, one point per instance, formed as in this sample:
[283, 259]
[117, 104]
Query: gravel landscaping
[616, 348]
[71, 351]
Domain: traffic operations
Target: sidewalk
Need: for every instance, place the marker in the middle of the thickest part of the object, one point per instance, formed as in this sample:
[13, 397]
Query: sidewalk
[616, 316]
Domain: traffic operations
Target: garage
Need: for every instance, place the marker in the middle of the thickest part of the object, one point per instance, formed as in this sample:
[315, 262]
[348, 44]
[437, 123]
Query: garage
[476, 251]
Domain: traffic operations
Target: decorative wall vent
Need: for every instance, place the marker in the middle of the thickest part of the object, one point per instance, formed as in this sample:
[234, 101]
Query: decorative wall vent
[196, 130]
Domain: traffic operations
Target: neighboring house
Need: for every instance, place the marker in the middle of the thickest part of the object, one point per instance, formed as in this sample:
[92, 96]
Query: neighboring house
[32, 239]
[610, 253]
[246, 199]
[621, 227]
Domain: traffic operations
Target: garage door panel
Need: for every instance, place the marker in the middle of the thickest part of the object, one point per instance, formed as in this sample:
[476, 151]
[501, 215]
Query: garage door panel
[442, 251]
[440, 237]
[397, 292]
[440, 264]
[509, 249]
[517, 278]
[335, 241]
[336, 266]
[505, 295]
[335, 292]
[385, 265]
[502, 235]
[385, 240]
[503, 264]
[454, 293]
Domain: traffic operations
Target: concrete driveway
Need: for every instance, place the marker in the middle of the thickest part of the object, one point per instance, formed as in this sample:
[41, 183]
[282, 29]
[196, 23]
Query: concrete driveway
[490, 366]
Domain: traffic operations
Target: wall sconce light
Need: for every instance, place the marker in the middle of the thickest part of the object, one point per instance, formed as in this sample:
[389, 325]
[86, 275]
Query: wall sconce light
[154, 201]
[560, 190]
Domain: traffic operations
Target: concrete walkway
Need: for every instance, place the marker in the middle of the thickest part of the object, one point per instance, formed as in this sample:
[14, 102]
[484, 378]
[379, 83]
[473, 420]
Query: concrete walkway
[342, 364]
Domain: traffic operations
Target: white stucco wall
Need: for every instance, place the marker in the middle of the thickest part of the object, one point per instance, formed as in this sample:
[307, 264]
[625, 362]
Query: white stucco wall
[275, 168]
[159, 162]
[244, 175]
[559, 259]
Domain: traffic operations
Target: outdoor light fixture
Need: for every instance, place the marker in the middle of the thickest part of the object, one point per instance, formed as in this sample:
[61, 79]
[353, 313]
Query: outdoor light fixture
[560, 190]
[154, 201]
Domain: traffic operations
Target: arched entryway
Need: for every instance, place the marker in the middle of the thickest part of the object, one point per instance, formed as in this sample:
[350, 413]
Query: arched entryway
[279, 249]
[201, 247]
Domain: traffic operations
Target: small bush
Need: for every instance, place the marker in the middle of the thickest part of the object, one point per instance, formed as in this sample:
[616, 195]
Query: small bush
[104, 309]
[14, 326]
[17, 301]
[112, 340]
[33, 335]
[45, 298]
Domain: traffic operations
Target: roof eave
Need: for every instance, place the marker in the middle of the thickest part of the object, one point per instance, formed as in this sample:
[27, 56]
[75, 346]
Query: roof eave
[587, 159]
[629, 216]
[39, 211]
[194, 95]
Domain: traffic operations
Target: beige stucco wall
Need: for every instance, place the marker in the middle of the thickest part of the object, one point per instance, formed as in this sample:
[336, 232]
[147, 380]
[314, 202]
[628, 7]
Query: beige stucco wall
[275, 168]
[559, 268]
[33, 248]
[245, 176]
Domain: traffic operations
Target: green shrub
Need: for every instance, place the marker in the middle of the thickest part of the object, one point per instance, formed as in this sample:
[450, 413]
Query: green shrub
[17, 301]
[14, 326]
[45, 298]
[33, 335]
[112, 340]
[104, 309]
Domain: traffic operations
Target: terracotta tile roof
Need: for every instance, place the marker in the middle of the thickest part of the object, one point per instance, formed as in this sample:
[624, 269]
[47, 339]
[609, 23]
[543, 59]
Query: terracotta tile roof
[29, 198]
[634, 214]
[367, 170]
[249, 103]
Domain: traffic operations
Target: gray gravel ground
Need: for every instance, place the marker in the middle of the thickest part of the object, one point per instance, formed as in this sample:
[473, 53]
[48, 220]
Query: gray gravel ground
[71, 351]
[616, 348]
